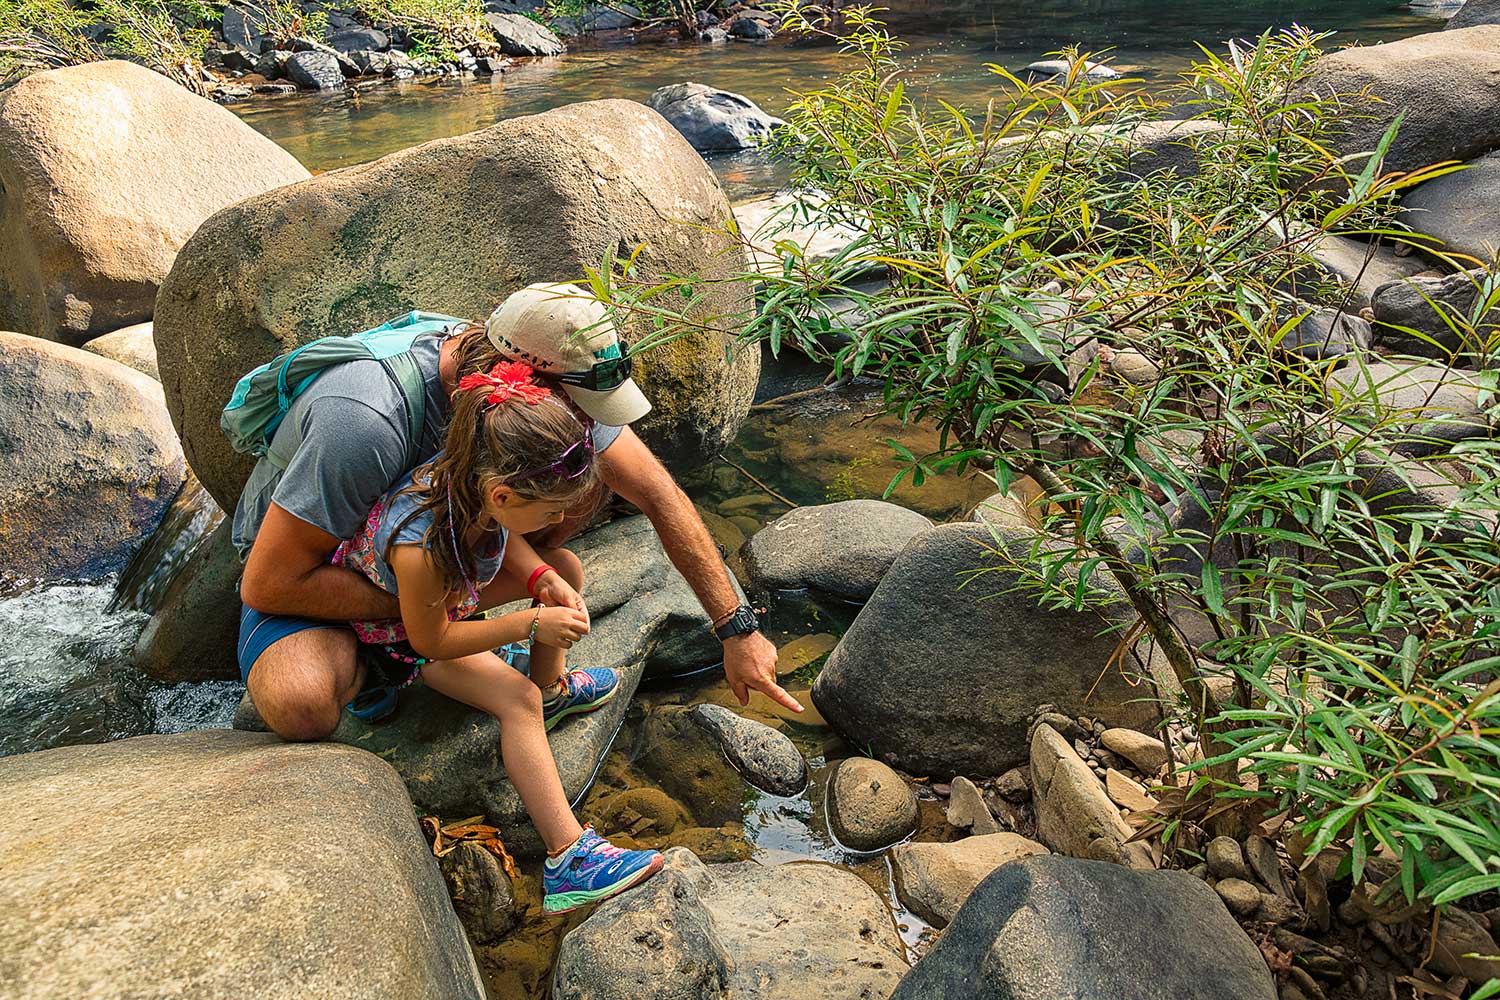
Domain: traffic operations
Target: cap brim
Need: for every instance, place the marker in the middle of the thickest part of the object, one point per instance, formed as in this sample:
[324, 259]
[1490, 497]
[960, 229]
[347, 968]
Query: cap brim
[624, 404]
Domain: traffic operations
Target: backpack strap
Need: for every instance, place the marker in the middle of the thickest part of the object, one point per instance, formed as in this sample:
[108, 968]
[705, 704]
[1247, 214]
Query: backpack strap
[403, 370]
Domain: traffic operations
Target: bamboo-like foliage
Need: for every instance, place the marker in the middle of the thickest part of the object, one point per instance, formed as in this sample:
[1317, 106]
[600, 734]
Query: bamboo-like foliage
[169, 36]
[1326, 549]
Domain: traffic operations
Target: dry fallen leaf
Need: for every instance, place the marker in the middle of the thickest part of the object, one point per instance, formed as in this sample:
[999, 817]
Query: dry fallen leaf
[446, 838]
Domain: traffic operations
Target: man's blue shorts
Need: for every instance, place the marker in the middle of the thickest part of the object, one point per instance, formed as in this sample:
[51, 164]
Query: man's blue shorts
[259, 630]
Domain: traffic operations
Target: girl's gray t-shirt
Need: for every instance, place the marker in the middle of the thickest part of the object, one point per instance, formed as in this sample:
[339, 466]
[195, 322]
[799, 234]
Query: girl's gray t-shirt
[349, 441]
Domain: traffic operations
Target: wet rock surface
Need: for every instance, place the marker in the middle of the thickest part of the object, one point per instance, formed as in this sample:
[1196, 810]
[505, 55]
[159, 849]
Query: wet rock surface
[765, 758]
[311, 879]
[840, 548]
[869, 806]
[746, 931]
[1047, 927]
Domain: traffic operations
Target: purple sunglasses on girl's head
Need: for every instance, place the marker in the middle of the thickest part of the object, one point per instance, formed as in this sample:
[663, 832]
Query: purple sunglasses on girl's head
[569, 465]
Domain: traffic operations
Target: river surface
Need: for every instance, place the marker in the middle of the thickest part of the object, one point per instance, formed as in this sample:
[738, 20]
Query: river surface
[949, 45]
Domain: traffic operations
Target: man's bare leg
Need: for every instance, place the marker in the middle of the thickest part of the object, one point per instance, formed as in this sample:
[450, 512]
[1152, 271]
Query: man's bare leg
[301, 683]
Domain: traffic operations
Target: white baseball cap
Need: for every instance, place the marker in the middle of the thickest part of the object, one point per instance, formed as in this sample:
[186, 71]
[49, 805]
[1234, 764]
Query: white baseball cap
[560, 329]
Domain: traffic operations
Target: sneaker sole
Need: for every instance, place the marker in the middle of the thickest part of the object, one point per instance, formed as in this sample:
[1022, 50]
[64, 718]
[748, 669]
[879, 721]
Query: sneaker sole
[566, 902]
[582, 709]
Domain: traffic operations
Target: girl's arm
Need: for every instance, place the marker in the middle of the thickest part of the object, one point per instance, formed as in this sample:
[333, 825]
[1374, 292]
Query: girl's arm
[521, 560]
[424, 612]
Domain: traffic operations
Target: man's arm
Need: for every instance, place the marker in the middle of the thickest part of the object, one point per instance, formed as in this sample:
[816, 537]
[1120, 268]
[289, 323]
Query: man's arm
[288, 573]
[632, 471]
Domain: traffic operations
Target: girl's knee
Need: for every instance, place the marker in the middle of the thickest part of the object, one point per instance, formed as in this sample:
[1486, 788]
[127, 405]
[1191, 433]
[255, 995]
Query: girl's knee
[523, 701]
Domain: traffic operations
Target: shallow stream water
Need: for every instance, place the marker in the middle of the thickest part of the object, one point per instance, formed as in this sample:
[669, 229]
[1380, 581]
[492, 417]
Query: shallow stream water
[948, 47]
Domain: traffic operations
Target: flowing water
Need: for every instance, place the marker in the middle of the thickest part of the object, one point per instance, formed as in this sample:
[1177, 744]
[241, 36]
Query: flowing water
[949, 45]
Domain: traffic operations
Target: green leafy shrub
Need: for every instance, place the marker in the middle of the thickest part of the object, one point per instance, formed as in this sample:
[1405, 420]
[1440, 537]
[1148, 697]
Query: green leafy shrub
[1337, 563]
[439, 28]
[169, 36]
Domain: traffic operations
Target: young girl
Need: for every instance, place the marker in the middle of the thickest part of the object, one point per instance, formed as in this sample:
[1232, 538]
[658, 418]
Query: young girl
[446, 541]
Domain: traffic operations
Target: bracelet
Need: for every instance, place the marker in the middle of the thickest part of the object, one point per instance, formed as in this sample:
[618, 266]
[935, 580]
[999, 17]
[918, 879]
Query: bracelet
[724, 617]
[536, 575]
[536, 620]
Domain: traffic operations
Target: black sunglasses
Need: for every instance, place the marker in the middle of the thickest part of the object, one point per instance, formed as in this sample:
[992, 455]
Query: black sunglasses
[604, 376]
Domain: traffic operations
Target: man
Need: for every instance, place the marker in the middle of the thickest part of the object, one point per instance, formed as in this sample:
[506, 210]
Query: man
[348, 442]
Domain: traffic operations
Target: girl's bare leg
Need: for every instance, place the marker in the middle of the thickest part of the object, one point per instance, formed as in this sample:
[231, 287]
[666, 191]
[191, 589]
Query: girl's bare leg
[548, 662]
[490, 684]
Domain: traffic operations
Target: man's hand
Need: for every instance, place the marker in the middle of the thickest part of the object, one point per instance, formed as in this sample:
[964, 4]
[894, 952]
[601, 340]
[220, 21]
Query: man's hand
[750, 665]
[555, 592]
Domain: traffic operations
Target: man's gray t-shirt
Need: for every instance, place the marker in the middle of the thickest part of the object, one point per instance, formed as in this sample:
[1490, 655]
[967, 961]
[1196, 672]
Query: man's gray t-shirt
[347, 436]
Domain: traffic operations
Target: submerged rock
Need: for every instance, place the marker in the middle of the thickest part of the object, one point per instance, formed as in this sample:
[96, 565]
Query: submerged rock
[869, 806]
[933, 880]
[713, 120]
[1444, 84]
[219, 866]
[765, 758]
[940, 676]
[351, 248]
[1047, 927]
[841, 549]
[697, 932]
[89, 461]
[106, 169]
[132, 347]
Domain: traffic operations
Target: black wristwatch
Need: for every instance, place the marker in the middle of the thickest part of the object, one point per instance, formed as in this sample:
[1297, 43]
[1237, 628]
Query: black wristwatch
[742, 621]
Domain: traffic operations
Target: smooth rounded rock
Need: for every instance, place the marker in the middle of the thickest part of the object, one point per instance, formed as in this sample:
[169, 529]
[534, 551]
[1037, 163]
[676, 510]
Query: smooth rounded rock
[1147, 753]
[1475, 12]
[1242, 898]
[943, 669]
[106, 169]
[765, 758]
[297, 871]
[869, 806]
[933, 880]
[1434, 317]
[519, 35]
[1444, 84]
[1226, 859]
[713, 120]
[89, 463]
[840, 548]
[1038, 927]
[1460, 209]
[133, 347]
[453, 226]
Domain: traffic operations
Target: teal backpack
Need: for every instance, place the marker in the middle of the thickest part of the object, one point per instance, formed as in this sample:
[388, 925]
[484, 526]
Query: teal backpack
[262, 397]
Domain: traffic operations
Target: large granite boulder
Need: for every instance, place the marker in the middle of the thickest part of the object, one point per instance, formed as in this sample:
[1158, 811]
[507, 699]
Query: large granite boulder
[1434, 406]
[1446, 84]
[1475, 12]
[841, 549]
[217, 866]
[698, 932]
[714, 121]
[1046, 927]
[939, 673]
[449, 754]
[88, 460]
[454, 226]
[1461, 209]
[106, 169]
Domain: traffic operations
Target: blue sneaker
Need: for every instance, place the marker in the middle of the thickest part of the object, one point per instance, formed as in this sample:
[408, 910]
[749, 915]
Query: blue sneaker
[583, 691]
[594, 869]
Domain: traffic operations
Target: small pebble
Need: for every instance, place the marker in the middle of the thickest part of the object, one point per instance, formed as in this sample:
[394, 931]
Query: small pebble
[1240, 896]
[1226, 860]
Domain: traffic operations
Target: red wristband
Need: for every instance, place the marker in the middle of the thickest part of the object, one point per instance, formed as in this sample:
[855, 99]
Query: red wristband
[536, 575]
